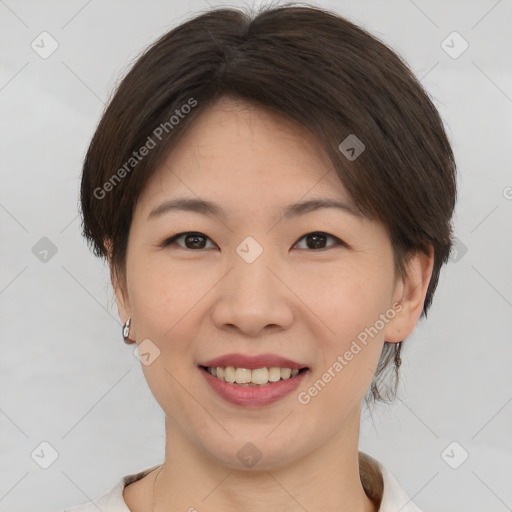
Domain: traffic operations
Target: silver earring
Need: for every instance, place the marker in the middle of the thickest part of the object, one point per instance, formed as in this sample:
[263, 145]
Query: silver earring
[126, 332]
[398, 359]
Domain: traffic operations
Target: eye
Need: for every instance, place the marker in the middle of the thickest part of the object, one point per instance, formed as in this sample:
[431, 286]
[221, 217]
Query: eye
[316, 240]
[195, 240]
[192, 240]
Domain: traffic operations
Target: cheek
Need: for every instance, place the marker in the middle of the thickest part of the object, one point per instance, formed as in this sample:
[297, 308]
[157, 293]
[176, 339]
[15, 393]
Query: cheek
[353, 295]
[344, 297]
[347, 358]
[351, 307]
[163, 292]
[163, 299]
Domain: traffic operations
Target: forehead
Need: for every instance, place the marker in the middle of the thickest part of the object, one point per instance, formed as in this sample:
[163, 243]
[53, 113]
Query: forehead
[237, 150]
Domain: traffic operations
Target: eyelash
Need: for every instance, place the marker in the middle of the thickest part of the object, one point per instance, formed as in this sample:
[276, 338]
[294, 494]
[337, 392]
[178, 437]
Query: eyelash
[172, 240]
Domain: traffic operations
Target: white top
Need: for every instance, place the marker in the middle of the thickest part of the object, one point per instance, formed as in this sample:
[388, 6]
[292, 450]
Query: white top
[378, 483]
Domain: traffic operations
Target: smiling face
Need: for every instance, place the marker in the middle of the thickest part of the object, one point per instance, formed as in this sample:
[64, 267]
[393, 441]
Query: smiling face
[303, 286]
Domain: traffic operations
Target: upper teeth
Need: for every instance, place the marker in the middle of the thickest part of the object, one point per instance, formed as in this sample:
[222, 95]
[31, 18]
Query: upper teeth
[256, 376]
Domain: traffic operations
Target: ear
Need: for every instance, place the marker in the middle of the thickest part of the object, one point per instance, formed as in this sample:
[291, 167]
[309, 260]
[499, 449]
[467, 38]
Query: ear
[410, 292]
[122, 300]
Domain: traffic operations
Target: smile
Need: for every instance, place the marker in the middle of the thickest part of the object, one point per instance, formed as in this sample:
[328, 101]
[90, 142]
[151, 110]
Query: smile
[255, 377]
[250, 394]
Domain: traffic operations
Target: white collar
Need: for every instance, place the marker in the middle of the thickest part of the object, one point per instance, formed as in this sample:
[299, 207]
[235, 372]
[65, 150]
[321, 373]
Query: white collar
[378, 483]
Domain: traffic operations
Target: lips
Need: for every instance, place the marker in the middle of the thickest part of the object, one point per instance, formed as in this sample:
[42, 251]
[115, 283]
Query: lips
[253, 362]
[253, 396]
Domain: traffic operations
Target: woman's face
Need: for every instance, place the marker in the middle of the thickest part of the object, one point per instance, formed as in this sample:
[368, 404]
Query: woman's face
[305, 286]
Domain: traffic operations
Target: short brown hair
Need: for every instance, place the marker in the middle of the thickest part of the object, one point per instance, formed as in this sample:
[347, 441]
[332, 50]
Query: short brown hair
[311, 66]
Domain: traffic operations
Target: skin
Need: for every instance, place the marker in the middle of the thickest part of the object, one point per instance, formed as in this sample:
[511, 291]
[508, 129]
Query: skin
[295, 301]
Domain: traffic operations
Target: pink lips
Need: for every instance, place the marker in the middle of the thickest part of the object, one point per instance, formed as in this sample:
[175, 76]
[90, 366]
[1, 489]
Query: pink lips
[253, 362]
[253, 396]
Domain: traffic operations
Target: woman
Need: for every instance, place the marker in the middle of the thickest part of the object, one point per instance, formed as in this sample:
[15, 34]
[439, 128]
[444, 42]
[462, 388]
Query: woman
[273, 194]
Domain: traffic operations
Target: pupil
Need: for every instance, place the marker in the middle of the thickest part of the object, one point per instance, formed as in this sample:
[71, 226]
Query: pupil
[316, 237]
[194, 238]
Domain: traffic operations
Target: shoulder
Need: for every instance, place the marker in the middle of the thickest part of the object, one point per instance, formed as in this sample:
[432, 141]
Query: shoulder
[112, 500]
[381, 485]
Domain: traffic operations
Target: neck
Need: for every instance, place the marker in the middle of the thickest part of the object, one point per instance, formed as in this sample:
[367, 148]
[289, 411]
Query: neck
[327, 479]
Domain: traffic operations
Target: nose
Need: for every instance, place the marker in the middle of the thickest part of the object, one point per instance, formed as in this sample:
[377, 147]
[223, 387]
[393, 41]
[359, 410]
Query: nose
[253, 298]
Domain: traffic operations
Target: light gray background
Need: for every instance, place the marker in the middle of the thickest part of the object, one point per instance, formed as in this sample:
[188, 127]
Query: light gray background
[67, 378]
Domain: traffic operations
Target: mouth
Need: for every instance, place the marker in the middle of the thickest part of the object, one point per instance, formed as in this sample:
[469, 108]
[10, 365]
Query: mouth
[257, 377]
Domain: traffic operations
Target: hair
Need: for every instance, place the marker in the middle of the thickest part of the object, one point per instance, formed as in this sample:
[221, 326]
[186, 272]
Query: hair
[311, 66]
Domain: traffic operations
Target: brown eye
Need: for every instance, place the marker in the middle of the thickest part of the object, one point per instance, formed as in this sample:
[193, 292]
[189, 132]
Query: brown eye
[317, 240]
[194, 241]
[191, 240]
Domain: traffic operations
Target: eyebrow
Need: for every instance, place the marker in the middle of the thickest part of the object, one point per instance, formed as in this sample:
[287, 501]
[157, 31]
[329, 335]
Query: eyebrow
[205, 207]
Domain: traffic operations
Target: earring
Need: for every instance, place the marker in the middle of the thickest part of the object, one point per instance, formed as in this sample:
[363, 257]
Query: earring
[398, 360]
[126, 332]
